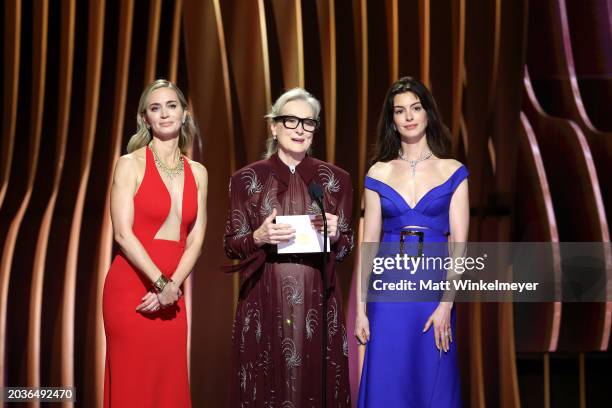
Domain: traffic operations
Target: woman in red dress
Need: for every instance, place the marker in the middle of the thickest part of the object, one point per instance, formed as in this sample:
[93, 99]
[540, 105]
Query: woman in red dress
[159, 217]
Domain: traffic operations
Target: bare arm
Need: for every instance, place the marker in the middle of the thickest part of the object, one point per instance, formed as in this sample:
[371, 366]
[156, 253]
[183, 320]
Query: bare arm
[372, 225]
[122, 214]
[195, 239]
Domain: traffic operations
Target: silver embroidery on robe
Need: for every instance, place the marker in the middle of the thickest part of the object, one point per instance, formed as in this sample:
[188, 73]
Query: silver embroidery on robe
[332, 320]
[292, 357]
[242, 224]
[268, 203]
[291, 290]
[252, 182]
[312, 317]
[330, 182]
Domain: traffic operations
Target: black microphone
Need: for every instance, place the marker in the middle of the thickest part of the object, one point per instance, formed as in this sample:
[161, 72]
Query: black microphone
[316, 193]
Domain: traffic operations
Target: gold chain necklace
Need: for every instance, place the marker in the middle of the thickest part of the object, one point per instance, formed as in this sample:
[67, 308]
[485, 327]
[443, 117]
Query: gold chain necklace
[171, 172]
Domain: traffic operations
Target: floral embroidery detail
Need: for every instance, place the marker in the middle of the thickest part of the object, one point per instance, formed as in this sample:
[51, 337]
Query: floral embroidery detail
[292, 357]
[292, 291]
[332, 320]
[252, 182]
[268, 203]
[245, 327]
[344, 342]
[341, 254]
[258, 328]
[242, 224]
[288, 404]
[311, 322]
[313, 209]
[264, 362]
[243, 377]
[330, 182]
[343, 225]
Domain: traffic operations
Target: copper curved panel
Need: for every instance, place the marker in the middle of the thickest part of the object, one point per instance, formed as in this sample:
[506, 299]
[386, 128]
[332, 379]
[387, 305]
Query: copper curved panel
[327, 33]
[94, 64]
[410, 39]
[249, 76]
[589, 23]
[425, 37]
[175, 42]
[285, 30]
[559, 138]
[317, 48]
[16, 303]
[458, 29]
[348, 88]
[551, 66]
[441, 54]
[105, 243]
[12, 44]
[210, 92]
[535, 221]
[155, 7]
[40, 335]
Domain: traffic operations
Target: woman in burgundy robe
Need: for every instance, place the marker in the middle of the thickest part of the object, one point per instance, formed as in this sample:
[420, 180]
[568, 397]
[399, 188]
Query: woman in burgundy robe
[278, 326]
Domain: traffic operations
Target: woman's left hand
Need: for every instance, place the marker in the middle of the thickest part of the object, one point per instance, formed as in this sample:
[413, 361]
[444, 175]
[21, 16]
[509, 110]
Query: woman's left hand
[440, 319]
[332, 226]
[150, 303]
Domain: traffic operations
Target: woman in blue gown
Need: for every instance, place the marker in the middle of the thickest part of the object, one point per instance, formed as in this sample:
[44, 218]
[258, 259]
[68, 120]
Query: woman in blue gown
[416, 196]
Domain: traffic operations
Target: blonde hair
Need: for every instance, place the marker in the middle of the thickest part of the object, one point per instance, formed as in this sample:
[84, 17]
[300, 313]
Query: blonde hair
[276, 110]
[143, 136]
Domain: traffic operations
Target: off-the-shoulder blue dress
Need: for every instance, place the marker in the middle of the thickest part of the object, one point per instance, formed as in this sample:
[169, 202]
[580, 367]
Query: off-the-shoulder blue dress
[402, 366]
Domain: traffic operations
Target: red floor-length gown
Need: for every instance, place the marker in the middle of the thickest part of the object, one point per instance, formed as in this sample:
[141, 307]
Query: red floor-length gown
[146, 354]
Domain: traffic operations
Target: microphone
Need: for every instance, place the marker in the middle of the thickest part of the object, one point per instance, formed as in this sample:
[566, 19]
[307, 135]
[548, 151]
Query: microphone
[316, 194]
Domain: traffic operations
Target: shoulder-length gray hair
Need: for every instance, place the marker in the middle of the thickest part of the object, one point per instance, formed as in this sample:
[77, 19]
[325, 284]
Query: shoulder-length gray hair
[143, 136]
[276, 110]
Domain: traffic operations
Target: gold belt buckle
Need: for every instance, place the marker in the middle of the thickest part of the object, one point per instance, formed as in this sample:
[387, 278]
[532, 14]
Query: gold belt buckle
[420, 234]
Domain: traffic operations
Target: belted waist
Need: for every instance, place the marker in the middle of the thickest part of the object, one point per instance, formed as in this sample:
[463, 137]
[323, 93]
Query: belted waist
[422, 232]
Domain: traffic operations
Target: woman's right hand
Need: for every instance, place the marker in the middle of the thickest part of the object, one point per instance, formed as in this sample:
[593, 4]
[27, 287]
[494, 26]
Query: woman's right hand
[270, 233]
[362, 329]
[169, 295]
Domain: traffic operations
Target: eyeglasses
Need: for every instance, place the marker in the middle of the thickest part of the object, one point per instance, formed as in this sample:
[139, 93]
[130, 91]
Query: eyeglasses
[292, 122]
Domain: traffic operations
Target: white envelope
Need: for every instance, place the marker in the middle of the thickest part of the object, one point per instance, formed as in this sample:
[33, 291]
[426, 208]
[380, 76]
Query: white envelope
[307, 239]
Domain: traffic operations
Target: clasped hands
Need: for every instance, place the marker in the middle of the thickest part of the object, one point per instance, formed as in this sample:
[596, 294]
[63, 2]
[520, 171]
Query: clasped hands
[271, 233]
[152, 302]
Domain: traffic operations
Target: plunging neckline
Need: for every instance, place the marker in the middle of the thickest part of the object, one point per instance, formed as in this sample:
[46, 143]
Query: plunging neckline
[161, 179]
[424, 195]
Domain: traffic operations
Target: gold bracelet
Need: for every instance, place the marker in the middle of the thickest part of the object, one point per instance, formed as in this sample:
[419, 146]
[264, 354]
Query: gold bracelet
[160, 283]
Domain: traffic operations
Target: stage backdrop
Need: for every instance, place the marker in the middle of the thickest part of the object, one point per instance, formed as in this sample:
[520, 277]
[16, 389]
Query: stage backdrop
[524, 86]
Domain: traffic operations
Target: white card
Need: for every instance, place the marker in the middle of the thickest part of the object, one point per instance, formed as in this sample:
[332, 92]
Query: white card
[307, 239]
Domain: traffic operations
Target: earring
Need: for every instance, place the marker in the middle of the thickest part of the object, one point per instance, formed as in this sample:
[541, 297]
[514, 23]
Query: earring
[274, 138]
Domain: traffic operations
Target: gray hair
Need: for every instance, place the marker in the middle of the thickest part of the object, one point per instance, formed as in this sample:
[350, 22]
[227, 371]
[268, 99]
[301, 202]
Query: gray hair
[276, 110]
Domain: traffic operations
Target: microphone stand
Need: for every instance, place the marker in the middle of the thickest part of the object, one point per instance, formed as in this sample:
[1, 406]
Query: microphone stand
[325, 295]
[315, 190]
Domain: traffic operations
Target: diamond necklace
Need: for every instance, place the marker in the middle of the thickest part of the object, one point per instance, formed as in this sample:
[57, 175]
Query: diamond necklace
[413, 163]
[171, 172]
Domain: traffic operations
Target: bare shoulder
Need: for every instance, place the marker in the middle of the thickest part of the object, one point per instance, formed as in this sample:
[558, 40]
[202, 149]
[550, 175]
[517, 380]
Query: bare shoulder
[448, 166]
[131, 163]
[199, 173]
[380, 170]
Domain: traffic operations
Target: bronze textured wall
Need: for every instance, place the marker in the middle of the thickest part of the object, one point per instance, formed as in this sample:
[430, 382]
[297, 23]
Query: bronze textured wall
[515, 83]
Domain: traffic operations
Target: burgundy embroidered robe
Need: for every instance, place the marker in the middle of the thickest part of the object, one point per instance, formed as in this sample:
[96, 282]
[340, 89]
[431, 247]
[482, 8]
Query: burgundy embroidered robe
[276, 358]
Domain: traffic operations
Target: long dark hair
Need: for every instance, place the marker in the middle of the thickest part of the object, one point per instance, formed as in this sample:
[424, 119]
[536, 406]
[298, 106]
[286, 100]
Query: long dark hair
[388, 143]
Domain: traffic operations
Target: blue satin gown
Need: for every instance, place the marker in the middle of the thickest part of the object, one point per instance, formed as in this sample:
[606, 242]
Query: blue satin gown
[402, 366]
